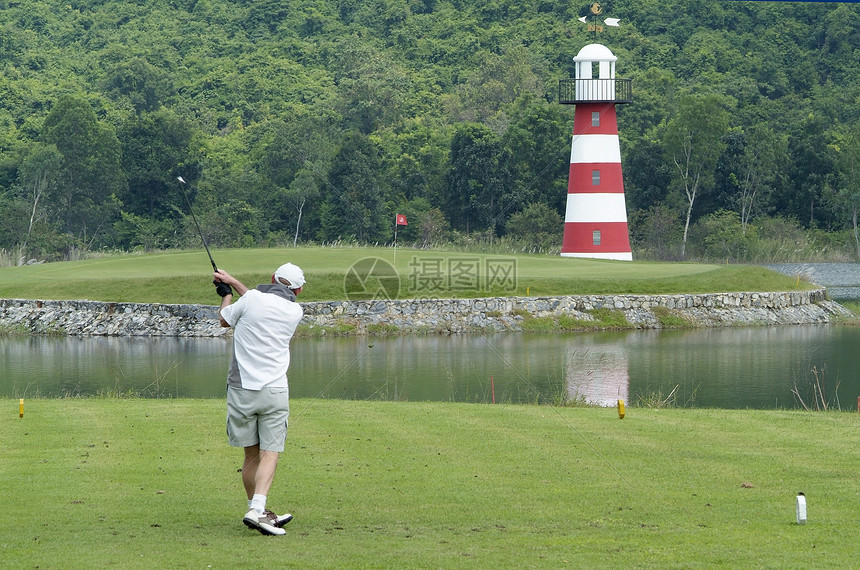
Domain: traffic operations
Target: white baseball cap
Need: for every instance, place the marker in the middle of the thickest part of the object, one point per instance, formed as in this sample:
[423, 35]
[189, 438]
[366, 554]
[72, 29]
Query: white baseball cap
[291, 273]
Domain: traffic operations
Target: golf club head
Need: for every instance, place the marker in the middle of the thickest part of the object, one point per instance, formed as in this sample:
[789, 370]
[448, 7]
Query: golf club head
[182, 180]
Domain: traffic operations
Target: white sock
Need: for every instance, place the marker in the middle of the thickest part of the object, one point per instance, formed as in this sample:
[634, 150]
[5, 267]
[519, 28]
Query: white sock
[258, 503]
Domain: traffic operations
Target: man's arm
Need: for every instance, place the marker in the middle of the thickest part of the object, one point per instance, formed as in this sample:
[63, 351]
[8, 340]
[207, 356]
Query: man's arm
[238, 286]
[225, 301]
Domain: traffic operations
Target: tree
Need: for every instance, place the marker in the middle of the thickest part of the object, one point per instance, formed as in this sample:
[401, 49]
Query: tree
[372, 86]
[647, 173]
[156, 148]
[496, 82]
[416, 158]
[847, 147]
[38, 172]
[539, 143]
[433, 227]
[655, 233]
[303, 188]
[694, 142]
[538, 227]
[763, 153]
[91, 174]
[142, 84]
[355, 197]
[840, 43]
[810, 171]
[293, 158]
[134, 231]
[722, 236]
[479, 181]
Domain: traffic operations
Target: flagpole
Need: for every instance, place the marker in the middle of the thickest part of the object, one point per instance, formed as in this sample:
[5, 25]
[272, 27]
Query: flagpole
[395, 243]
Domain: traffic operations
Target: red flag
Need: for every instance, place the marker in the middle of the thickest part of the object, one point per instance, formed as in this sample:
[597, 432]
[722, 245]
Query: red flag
[401, 220]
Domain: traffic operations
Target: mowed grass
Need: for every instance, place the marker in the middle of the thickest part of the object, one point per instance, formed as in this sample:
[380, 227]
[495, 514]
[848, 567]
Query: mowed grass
[133, 483]
[185, 276]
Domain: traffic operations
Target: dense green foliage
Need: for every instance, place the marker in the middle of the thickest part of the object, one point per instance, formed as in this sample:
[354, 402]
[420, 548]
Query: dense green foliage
[318, 120]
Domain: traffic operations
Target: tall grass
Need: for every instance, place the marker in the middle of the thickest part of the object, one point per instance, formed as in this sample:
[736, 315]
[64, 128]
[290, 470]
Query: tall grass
[814, 397]
[657, 400]
[11, 258]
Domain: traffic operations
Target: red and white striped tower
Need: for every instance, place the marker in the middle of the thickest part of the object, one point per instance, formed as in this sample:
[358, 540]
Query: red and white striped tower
[595, 222]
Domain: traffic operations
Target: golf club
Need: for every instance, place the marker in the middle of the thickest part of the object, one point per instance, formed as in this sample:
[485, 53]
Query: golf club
[196, 223]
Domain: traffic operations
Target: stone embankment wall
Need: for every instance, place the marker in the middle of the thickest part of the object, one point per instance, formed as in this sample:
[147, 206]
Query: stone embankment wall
[430, 315]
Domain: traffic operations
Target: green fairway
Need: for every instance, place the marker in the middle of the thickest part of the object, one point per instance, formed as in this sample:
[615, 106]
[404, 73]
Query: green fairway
[153, 484]
[185, 277]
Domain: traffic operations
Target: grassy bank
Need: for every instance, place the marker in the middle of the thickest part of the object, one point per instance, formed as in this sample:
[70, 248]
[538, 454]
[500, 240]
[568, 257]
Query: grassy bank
[152, 483]
[184, 277]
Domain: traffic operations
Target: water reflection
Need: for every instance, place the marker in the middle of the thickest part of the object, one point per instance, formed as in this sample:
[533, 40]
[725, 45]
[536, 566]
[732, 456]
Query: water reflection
[743, 367]
[150, 367]
[728, 368]
[598, 374]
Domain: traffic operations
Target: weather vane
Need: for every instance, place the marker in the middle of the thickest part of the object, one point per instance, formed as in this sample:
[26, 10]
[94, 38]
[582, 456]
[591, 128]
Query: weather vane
[596, 10]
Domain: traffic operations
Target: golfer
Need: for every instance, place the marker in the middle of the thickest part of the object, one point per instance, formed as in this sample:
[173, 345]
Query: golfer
[263, 320]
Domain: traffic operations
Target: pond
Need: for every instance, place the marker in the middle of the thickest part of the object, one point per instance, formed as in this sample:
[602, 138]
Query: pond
[758, 367]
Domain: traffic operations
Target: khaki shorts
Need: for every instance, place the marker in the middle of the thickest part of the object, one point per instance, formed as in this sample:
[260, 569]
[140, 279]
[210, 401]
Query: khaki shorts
[258, 417]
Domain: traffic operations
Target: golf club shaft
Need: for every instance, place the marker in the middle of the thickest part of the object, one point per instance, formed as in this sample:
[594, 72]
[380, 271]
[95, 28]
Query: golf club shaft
[196, 223]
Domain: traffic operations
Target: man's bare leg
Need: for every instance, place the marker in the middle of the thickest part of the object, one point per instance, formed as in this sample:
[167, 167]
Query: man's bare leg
[258, 471]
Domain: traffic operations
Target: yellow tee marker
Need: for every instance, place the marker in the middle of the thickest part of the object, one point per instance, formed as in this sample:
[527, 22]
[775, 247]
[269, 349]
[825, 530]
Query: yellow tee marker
[621, 409]
[21, 408]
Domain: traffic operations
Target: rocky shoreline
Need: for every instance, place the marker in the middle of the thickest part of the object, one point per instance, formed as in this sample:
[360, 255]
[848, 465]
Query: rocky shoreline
[436, 316]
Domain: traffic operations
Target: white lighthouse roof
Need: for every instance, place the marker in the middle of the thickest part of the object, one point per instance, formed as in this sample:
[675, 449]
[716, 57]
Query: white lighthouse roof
[595, 52]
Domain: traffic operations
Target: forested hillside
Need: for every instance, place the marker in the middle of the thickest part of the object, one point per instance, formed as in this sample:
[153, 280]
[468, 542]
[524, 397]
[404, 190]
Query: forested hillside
[299, 121]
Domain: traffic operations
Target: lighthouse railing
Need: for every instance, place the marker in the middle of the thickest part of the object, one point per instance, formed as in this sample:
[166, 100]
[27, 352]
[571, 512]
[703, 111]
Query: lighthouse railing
[572, 91]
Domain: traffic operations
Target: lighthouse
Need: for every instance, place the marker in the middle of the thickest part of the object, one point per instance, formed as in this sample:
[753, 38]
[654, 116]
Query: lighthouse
[595, 221]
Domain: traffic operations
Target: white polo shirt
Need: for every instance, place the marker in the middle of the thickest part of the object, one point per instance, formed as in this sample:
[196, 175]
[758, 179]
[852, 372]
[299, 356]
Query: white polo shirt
[263, 324]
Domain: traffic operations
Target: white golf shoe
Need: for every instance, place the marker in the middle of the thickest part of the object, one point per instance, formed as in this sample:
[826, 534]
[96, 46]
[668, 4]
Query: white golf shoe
[280, 520]
[265, 523]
